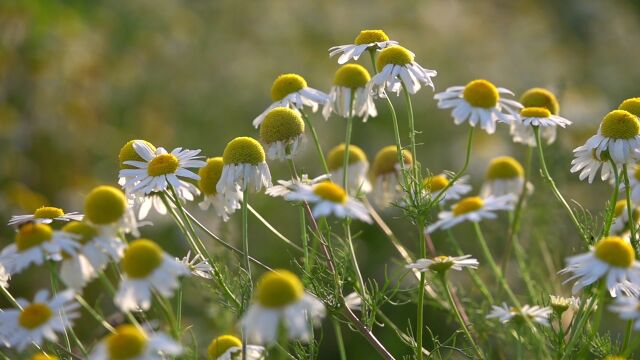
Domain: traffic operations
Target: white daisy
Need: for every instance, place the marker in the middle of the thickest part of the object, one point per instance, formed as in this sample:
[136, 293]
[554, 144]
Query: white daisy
[39, 320]
[506, 314]
[523, 134]
[131, 342]
[560, 304]
[434, 185]
[280, 300]
[197, 265]
[633, 172]
[244, 168]
[329, 198]
[371, 40]
[147, 267]
[286, 186]
[349, 95]
[612, 258]
[209, 177]
[505, 175]
[229, 347]
[535, 98]
[588, 161]
[291, 90]
[45, 215]
[396, 66]
[356, 171]
[387, 176]
[620, 224]
[107, 208]
[282, 132]
[478, 102]
[628, 308]
[618, 136]
[472, 209]
[443, 263]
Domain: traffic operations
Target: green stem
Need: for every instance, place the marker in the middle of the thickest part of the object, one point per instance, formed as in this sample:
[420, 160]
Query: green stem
[412, 139]
[631, 347]
[421, 290]
[54, 291]
[10, 297]
[356, 268]
[463, 325]
[179, 308]
[576, 333]
[245, 233]
[627, 335]
[316, 141]
[347, 143]
[632, 221]
[459, 174]
[95, 314]
[303, 221]
[612, 202]
[112, 291]
[602, 292]
[339, 339]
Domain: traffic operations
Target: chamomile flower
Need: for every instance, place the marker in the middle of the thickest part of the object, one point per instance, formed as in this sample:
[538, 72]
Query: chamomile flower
[505, 175]
[397, 69]
[386, 174]
[479, 102]
[197, 265]
[474, 209]
[350, 95]
[441, 264]
[286, 186]
[356, 171]
[620, 225]
[506, 314]
[228, 347]
[371, 40]
[131, 342]
[34, 244]
[633, 173]
[45, 215]
[329, 198]
[540, 117]
[280, 300]
[535, 98]
[282, 131]
[631, 105]
[291, 90]
[107, 208]
[4, 277]
[619, 136]
[628, 308]
[435, 184]
[147, 267]
[589, 161]
[39, 320]
[560, 304]
[612, 259]
[209, 177]
[129, 153]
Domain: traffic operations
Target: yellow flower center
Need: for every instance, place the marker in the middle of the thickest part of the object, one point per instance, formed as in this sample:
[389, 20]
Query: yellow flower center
[370, 36]
[32, 234]
[105, 205]
[539, 97]
[435, 183]
[631, 105]
[467, 205]
[615, 251]
[351, 76]
[614, 357]
[281, 124]
[43, 356]
[330, 191]
[286, 84]
[621, 205]
[141, 258]
[221, 344]
[441, 264]
[128, 153]
[163, 164]
[396, 55]
[126, 343]
[34, 315]
[481, 93]
[335, 158]
[84, 230]
[210, 175]
[504, 167]
[620, 124]
[48, 212]
[387, 158]
[243, 150]
[538, 112]
[279, 288]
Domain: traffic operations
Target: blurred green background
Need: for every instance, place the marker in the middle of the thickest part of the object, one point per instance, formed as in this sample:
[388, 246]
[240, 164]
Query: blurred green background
[80, 78]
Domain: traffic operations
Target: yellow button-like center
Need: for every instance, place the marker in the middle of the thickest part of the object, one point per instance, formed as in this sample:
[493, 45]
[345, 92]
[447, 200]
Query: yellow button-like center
[105, 205]
[435, 183]
[32, 234]
[43, 356]
[210, 175]
[129, 153]
[370, 36]
[221, 344]
[243, 150]
[351, 76]
[386, 160]
[85, 231]
[286, 84]
[504, 167]
[468, 205]
[396, 55]
[481, 93]
[335, 158]
[126, 343]
[48, 212]
[330, 191]
[280, 125]
[279, 288]
[620, 124]
[141, 258]
[163, 164]
[615, 251]
[539, 97]
[631, 105]
[537, 112]
[34, 315]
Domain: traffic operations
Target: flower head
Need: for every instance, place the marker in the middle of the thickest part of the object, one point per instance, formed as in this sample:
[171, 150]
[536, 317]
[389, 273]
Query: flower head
[561, 304]
[357, 168]
[441, 264]
[386, 174]
[228, 347]
[589, 161]
[244, 168]
[371, 40]
[397, 69]
[350, 95]
[209, 177]
[619, 136]
[474, 209]
[131, 342]
[621, 224]
[435, 184]
[631, 105]
[504, 175]
[108, 208]
[329, 198]
[45, 215]
[197, 265]
[282, 131]
[506, 314]
[628, 308]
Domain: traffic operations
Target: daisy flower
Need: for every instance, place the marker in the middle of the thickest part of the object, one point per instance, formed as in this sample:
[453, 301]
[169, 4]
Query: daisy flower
[291, 90]
[147, 267]
[505, 175]
[612, 259]
[479, 102]
[618, 136]
[371, 40]
[350, 95]
[434, 185]
[281, 302]
[34, 244]
[129, 153]
[131, 342]
[631, 105]
[38, 320]
[107, 208]
[45, 215]
[386, 173]
[474, 209]
[396, 67]
[329, 198]
[506, 314]
[209, 177]
[620, 225]
[633, 173]
[197, 265]
[282, 131]
[357, 168]
[560, 304]
[535, 98]
[628, 308]
[286, 186]
[588, 161]
[229, 347]
[441, 264]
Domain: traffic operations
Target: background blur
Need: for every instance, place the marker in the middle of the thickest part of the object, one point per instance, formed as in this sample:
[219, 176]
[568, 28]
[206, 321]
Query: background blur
[80, 78]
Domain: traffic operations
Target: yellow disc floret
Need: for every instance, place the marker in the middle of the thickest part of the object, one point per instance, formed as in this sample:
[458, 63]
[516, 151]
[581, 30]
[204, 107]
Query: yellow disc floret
[537, 112]
[286, 84]
[620, 124]
[127, 342]
[335, 158]
[141, 258]
[386, 160]
[105, 205]
[281, 124]
[435, 183]
[32, 234]
[396, 55]
[210, 175]
[351, 76]
[539, 97]
[43, 356]
[85, 231]
[163, 164]
[243, 150]
[279, 288]
[129, 153]
[631, 105]
[481, 93]
[441, 264]
[370, 37]
[504, 167]
[467, 205]
[615, 251]
[330, 191]
[48, 212]
[34, 315]
[221, 344]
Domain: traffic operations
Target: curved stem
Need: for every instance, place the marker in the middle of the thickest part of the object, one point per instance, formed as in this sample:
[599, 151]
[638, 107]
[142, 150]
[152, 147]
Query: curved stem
[339, 339]
[316, 141]
[347, 143]
[356, 268]
[459, 174]
[463, 325]
[245, 233]
[612, 203]
[632, 221]
[421, 290]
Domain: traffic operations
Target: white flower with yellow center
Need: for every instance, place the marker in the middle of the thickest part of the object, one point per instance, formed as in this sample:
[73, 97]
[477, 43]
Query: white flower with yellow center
[286, 186]
[619, 136]
[628, 308]
[147, 267]
[282, 131]
[280, 301]
[34, 244]
[197, 265]
[39, 320]
[560, 304]
[506, 314]
[132, 343]
[612, 259]
[588, 161]
[441, 264]
[479, 102]
[535, 98]
[356, 171]
[536, 117]
[396, 67]
[107, 208]
[329, 198]
[291, 90]
[45, 215]
[386, 173]
[620, 224]
[229, 347]
[474, 209]
[633, 173]
[371, 40]
[434, 185]
[209, 177]
[505, 175]
[350, 95]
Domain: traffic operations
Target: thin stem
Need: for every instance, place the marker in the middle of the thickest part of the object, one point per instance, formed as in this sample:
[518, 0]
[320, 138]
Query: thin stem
[412, 139]
[577, 330]
[356, 268]
[459, 174]
[245, 233]
[612, 202]
[54, 291]
[632, 221]
[339, 339]
[179, 308]
[347, 143]
[316, 141]
[94, 313]
[602, 292]
[627, 335]
[421, 289]
[302, 216]
[10, 297]
[112, 291]
[631, 347]
[274, 231]
[462, 323]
